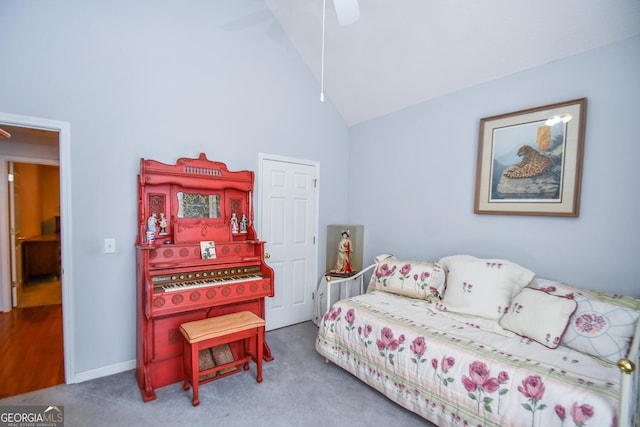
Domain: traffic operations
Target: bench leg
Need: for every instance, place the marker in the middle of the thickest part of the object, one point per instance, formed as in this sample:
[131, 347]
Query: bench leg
[245, 345]
[260, 343]
[186, 356]
[195, 374]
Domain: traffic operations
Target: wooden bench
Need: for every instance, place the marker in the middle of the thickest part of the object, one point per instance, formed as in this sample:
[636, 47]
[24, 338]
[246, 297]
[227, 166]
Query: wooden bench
[214, 331]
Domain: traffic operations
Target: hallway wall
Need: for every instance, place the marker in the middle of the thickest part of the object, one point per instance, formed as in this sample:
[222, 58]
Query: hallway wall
[37, 195]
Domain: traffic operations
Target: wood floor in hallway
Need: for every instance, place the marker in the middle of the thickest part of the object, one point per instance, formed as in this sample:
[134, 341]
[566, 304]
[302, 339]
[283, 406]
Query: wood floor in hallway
[31, 349]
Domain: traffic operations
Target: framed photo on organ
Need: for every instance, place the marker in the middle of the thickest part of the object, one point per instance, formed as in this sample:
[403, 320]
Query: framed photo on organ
[208, 250]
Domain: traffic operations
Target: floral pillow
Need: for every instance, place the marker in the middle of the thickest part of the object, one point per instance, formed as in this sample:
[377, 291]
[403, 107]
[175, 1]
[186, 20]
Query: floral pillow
[601, 329]
[446, 262]
[554, 287]
[415, 279]
[482, 287]
[539, 316]
[603, 324]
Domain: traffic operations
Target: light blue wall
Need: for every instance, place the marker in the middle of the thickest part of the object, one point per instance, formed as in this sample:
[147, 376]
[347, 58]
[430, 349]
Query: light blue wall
[412, 175]
[166, 79]
[158, 79]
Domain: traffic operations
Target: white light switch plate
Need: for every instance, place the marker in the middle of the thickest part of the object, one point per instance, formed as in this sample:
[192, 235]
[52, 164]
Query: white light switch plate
[109, 246]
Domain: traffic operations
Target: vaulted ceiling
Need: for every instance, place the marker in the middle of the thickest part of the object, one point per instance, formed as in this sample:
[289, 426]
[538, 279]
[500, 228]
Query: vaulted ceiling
[403, 52]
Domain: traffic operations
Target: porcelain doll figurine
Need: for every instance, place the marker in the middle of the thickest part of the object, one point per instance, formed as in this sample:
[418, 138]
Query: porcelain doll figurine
[234, 223]
[163, 223]
[243, 224]
[343, 263]
[152, 223]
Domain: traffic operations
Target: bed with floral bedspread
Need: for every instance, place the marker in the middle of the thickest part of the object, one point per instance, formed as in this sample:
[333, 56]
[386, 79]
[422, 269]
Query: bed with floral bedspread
[456, 371]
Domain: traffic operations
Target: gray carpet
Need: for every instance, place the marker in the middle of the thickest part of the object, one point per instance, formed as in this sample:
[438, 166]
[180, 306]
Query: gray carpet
[299, 389]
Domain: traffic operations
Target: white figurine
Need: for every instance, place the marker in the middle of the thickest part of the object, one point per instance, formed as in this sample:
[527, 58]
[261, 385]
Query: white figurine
[234, 223]
[163, 223]
[243, 224]
[152, 223]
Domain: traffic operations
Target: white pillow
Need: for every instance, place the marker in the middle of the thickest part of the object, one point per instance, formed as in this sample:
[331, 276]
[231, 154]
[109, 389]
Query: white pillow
[445, 262]
[601, 329]
[482, 287]
[415, 279]
[539, 316]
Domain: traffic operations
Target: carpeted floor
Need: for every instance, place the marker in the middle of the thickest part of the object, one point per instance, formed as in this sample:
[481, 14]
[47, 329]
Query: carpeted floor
[299, 389]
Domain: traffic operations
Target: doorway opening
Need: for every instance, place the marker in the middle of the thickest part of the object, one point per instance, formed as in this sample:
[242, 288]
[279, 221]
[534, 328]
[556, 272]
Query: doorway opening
[34, 218]
[41, 144]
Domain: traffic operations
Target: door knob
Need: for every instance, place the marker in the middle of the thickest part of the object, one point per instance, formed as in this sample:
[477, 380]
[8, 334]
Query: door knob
[267, 255]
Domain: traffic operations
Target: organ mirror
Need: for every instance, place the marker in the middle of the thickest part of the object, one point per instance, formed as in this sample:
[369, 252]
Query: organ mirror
[198, 205]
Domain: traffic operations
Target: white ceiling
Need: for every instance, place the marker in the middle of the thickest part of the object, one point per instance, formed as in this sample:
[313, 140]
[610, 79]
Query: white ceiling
[403, 52]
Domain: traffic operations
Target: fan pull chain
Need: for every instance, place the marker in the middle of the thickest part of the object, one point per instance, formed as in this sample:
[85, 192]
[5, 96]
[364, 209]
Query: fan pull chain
[324, 12]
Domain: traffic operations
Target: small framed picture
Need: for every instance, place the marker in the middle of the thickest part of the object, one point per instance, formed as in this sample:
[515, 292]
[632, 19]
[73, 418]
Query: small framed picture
[530, 161]
[208, 250]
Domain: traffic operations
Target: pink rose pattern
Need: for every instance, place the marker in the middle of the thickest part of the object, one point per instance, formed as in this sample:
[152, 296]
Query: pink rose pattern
[331, 317]
[446, 364]
[350, 318]
[388, 345]
[503, 378]
[418, 347]
[560, 412]
[363, 333]
[478, 383]
[383, 273]
[405, 271]
[579, 414]
[421, 281]
[467, 287]
[532, 388]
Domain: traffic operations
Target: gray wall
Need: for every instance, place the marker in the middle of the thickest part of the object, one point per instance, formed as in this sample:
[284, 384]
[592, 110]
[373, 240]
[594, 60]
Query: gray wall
[159, 80]
[412, 175]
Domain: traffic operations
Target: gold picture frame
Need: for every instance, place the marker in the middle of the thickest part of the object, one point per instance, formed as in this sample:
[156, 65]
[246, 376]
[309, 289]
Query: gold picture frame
[530, 161]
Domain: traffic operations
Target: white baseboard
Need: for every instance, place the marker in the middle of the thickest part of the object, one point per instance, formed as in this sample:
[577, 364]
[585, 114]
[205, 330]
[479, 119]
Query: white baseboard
[104, 371]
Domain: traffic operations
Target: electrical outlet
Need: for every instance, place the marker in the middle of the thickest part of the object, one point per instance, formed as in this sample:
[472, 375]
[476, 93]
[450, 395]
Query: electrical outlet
[109, 246]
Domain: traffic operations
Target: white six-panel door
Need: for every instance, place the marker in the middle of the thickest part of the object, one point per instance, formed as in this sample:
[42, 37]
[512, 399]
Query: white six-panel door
[288, 212]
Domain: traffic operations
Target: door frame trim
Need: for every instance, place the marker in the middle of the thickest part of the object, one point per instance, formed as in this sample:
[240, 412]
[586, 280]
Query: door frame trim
[259, 185]
[64, 159]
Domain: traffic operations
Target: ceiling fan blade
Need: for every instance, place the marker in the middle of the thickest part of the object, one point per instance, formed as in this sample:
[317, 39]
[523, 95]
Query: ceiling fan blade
[347, 11]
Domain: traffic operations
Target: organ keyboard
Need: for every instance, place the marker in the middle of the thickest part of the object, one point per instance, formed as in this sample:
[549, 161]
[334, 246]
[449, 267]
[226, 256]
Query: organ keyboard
[193, 201]
[174, 282]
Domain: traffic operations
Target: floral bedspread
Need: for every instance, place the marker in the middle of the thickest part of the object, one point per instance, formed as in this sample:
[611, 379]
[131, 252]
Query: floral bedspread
[455, 374]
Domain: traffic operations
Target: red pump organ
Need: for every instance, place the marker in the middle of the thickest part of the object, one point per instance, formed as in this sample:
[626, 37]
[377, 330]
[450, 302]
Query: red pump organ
[197, 256]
